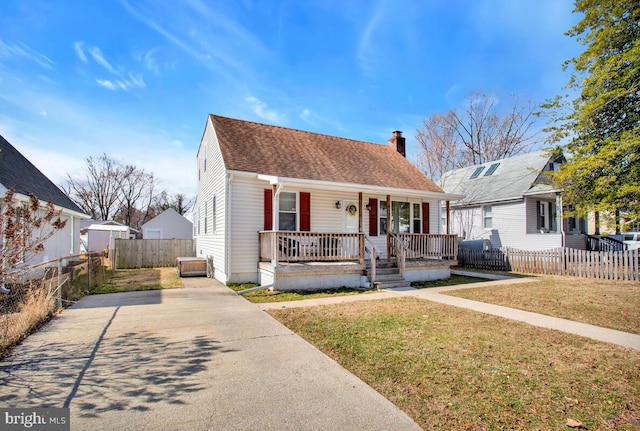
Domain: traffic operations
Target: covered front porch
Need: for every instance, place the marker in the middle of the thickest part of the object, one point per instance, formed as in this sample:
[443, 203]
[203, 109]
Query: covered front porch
[292, 260]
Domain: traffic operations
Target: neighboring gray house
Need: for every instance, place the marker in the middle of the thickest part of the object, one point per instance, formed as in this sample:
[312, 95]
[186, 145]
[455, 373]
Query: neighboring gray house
[511, 203]
[168, 225]
[20, 174]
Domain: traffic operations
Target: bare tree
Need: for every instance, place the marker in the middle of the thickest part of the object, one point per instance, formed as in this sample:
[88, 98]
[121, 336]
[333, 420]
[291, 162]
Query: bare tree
[111, 190]
[477, 134]
[178, 202]
[136, 197]
[24, 228]
[438, 145]
[99, 192]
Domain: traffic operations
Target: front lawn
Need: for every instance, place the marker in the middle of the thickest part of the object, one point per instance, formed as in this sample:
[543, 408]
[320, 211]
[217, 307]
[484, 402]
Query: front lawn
[455, 369]
[611, 304]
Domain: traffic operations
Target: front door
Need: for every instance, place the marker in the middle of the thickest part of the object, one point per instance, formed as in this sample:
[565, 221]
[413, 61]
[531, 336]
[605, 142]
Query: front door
[350, 216]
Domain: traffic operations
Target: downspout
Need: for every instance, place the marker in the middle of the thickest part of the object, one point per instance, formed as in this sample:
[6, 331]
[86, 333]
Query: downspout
[227, 226]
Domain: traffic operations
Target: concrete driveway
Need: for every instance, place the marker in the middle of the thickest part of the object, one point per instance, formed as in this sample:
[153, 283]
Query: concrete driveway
[198, 358]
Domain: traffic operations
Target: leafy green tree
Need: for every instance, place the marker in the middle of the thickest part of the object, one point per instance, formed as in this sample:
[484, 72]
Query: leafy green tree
[599, 128]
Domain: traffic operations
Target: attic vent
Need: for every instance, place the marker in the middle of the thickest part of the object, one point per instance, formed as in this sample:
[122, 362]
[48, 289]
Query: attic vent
[476, 173]
[491, 169]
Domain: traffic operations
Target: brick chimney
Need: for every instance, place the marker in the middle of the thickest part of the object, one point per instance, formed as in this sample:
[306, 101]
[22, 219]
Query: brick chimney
[397, 142]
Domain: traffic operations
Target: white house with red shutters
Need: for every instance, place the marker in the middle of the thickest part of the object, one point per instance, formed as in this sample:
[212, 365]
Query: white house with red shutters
[301, 210]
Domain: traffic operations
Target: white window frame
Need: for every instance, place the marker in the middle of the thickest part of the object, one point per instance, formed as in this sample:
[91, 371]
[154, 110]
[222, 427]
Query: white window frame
[487, 215]
[213, 215]
[295, 212]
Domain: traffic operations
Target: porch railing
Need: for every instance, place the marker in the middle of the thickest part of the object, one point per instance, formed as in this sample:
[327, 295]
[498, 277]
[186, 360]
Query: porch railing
[428, 245]
[287, 246]
[400, 250]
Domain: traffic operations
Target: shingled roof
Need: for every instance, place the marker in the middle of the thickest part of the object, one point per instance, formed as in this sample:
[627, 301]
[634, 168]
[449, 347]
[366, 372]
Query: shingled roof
[279, 151]
[512, 178]
[20, 174]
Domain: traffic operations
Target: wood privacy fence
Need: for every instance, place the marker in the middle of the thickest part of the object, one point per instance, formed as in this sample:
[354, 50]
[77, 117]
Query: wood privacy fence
[612, 265]
[150, 253]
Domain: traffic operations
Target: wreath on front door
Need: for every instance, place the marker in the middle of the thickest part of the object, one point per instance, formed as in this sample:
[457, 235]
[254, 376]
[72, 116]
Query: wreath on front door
[352, 209]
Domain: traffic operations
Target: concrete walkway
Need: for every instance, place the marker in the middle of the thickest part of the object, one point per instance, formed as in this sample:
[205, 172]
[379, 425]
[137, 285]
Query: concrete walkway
[435, 294]
[198, 358]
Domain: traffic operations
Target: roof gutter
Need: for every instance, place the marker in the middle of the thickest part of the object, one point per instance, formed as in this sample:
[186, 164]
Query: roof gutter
[328, 185]
[66, 211]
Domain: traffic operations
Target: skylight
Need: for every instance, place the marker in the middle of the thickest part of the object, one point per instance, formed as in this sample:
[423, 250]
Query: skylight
[476, 173]
[491, 169]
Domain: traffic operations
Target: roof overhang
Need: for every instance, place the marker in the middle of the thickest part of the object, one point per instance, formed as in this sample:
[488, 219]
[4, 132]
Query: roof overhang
[64, 211]
[350, 187]
[541, 192]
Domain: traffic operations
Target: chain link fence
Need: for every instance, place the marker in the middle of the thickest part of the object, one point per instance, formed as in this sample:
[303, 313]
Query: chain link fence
[44, 290]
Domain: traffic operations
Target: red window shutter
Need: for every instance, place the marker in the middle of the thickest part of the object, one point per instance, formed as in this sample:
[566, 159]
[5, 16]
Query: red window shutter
[268, 209]
[425, 217]
[373, 217]
[305, 211]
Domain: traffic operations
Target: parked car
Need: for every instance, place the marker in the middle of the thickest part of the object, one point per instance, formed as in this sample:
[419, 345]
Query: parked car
[632, 239]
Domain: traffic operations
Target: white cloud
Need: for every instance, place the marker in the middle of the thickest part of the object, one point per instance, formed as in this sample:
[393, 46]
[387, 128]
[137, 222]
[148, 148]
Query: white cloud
[262, 110]
[23, 51]
[79, 49]
[106, 84]
[96, 53]
[136, 80]
[148, 60]
[306, 115]
[44, 113]
[122, 81]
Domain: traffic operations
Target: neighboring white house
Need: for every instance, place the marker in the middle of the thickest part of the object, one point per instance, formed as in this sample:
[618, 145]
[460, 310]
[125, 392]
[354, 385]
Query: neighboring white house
[511, 203]
[20, 174]
[303, 210]
[98, 236]
[168, 225]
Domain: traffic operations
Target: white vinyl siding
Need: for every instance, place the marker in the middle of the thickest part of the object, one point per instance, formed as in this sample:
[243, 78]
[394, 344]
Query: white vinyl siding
[212, 183]
[513, 225]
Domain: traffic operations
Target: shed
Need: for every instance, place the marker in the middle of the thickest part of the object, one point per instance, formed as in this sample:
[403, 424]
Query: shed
[169, 224]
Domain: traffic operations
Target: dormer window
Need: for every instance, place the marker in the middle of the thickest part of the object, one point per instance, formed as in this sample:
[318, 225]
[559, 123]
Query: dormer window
[491, 169]
[476, 173]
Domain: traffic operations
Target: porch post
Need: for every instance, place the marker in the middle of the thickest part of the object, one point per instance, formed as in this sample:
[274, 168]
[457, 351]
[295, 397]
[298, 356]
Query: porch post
[276, 223]
[448, 216]
[388, 227]
[559, 218]
[359, 211]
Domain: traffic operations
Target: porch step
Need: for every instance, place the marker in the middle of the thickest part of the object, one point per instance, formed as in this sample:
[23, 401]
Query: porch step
[387, 276]
[388, 284]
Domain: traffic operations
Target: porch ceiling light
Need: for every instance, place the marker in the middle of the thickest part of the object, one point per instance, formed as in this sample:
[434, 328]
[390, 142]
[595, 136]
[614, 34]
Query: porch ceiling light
[338, 205]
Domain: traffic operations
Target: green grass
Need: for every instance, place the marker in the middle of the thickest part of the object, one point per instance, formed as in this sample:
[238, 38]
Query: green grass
[263, 296]
[455, 369]
[611, 304]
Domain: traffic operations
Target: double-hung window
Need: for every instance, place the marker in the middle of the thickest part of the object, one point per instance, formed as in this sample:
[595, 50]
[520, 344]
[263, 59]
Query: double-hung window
[213, 214]
[383, 217]
[417, 220]
[205, 216]
[287, 216]
[487, 216]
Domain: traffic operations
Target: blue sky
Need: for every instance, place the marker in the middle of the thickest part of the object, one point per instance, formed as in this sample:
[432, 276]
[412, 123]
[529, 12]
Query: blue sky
[137, 78]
